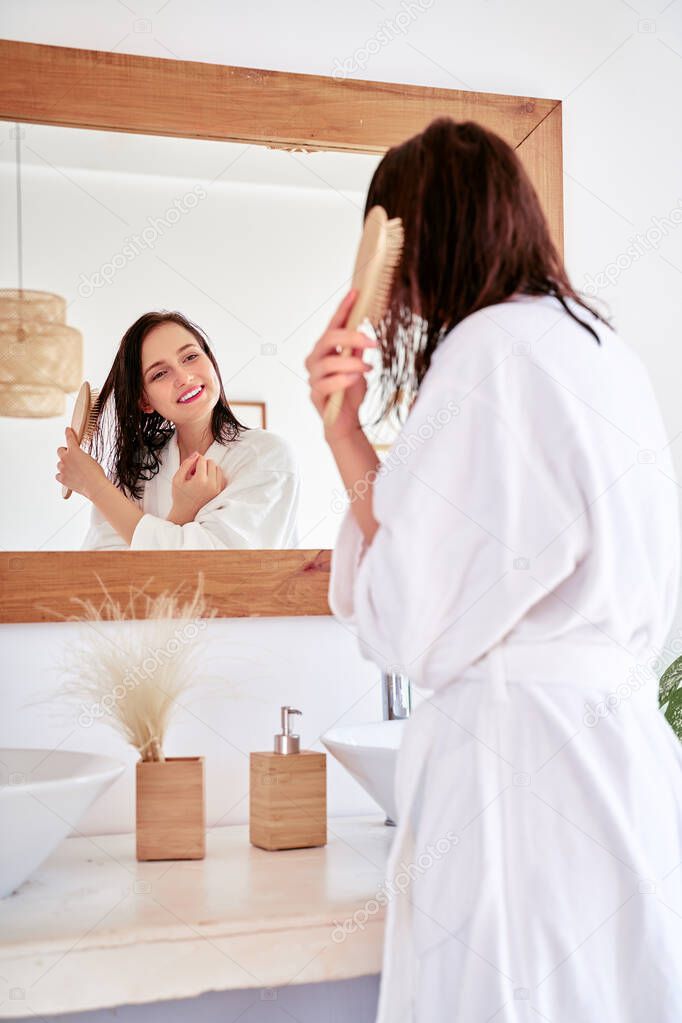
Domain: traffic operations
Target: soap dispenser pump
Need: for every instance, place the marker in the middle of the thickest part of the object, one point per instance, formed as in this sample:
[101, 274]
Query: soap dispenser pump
[286, 741]
[288, 793]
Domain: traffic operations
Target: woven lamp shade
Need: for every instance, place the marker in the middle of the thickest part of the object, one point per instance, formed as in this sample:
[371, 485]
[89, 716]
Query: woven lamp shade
[41, 358]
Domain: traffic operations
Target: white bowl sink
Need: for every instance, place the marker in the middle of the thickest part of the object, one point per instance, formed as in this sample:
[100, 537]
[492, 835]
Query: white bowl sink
[43, 795]
[369, 752]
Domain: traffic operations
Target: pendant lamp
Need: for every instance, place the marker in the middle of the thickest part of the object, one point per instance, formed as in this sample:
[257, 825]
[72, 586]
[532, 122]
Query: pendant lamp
[41, 358]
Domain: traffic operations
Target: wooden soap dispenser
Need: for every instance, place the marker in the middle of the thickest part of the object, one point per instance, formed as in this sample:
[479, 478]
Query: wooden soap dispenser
[288, 793]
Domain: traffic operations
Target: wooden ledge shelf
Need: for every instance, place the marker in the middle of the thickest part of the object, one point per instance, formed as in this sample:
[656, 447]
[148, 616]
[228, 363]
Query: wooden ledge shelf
[93, 928]
[237, 584]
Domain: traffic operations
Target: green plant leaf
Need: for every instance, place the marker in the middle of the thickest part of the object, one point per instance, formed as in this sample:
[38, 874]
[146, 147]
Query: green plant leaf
[671, 679]
[673, 713]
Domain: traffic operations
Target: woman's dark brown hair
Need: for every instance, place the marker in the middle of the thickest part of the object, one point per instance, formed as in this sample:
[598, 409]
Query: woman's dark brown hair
[130, 440]
[475, 234]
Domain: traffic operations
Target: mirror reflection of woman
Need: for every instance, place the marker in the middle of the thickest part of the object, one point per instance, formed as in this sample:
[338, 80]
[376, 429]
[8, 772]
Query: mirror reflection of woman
[170, 466]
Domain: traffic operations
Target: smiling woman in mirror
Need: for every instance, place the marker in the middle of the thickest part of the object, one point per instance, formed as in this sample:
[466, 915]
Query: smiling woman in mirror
[169, 465]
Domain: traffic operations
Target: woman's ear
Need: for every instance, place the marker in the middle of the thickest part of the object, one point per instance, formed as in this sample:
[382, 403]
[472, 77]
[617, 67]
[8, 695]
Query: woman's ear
[144, 404]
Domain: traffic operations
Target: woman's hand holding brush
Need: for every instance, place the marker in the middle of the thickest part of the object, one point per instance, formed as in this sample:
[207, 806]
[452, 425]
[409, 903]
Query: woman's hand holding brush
[78, 470]
[330, 369]
[336, 364]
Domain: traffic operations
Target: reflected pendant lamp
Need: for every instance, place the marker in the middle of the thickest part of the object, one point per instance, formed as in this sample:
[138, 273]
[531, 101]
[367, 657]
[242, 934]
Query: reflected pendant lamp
[41, 358]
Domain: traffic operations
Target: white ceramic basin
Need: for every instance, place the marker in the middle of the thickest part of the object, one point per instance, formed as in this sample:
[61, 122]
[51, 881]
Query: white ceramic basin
[43, 795]
[369, 752]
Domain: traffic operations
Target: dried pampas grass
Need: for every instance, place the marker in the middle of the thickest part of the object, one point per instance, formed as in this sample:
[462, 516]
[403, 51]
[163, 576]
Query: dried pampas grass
[133, 678]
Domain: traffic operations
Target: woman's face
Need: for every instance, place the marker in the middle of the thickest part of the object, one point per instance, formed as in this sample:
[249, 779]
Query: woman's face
[178, 378]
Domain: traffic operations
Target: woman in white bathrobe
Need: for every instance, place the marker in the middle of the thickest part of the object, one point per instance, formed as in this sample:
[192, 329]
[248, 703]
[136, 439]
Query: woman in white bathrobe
[517, 556]
[183, 472]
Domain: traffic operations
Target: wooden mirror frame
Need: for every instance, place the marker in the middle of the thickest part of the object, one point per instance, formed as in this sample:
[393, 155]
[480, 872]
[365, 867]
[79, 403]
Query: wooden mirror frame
[121, 92]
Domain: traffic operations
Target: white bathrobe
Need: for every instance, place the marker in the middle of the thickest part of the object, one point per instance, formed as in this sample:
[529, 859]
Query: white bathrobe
[257, 509]
[525, 573]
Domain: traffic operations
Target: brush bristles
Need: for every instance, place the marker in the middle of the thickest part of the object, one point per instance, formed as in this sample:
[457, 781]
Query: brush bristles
[395, 239]
[93, 416]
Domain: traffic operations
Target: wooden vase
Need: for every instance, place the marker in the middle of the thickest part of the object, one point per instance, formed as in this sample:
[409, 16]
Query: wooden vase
[170, 815]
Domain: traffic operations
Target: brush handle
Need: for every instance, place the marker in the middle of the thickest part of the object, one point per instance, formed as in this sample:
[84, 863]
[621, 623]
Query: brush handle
[359, 312]
[335, 400]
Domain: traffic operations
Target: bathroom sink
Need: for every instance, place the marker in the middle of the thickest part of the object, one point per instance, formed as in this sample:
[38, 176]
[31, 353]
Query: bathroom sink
[43, 795]
[369, 753]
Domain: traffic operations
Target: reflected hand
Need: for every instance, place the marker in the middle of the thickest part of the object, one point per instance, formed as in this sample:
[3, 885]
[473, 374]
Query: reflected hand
[197, 481]
[76, 469]
[329, 371]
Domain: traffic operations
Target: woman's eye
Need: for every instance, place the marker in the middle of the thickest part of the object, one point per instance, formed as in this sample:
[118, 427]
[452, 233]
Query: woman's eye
[188, 358]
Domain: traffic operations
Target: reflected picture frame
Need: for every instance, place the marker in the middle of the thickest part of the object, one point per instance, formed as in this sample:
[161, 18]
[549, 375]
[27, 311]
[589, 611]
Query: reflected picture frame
[250, 413]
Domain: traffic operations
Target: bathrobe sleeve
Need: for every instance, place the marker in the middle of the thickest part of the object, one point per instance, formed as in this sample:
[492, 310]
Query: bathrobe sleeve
[257, 509]
[477, 523]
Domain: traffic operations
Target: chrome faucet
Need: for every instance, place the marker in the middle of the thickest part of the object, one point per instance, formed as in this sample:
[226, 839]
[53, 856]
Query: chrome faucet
[396, 696]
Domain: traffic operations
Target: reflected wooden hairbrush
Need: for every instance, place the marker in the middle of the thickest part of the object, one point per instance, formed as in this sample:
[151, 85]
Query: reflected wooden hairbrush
[84, 418]
[378, 256]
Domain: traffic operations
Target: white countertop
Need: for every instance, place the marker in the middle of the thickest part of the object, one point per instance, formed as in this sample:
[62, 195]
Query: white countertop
[93, 928]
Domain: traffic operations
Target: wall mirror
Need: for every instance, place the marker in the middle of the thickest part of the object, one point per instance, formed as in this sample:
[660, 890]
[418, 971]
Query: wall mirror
[236, 197]
[250, 243]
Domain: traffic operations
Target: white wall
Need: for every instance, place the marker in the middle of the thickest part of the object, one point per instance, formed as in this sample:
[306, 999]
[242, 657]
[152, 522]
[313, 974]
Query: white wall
[253, 666]
[618, 69]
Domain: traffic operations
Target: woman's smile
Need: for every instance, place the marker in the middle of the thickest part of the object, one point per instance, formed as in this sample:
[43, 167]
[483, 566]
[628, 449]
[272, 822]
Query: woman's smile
[191, 394]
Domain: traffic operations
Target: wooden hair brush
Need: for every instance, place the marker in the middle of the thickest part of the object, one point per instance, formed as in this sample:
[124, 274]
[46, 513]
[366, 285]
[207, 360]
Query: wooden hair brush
[84, 418]
[378, 256]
